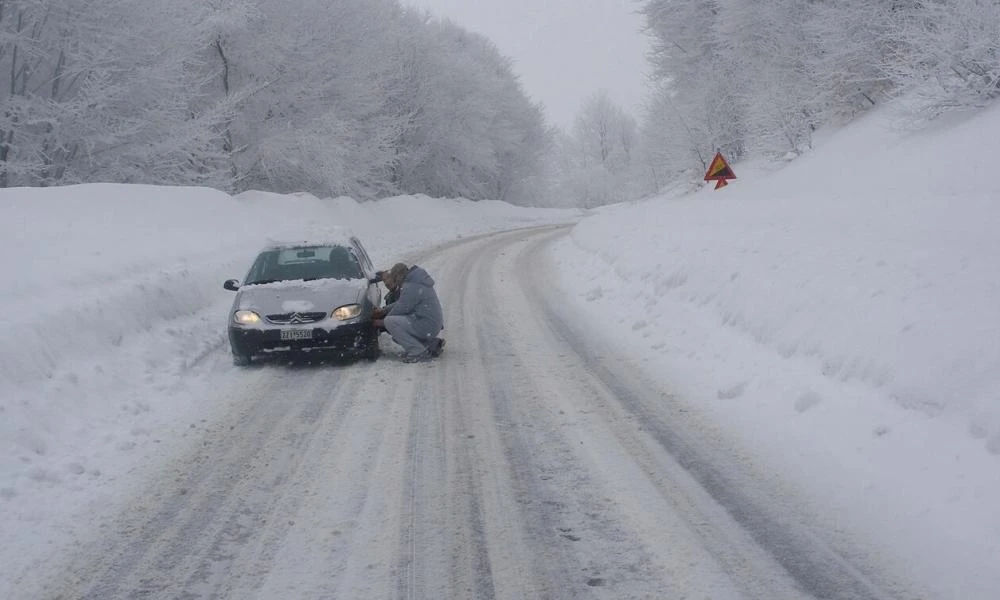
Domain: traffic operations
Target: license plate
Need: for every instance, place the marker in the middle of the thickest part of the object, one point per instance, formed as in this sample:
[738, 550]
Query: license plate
[296, 334]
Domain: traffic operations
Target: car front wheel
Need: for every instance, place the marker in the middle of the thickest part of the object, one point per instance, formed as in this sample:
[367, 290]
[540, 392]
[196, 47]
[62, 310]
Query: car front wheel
[241, 359]
[372, 350]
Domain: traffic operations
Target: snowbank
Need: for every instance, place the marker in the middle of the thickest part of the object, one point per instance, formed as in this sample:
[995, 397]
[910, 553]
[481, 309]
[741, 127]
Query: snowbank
[841, 316]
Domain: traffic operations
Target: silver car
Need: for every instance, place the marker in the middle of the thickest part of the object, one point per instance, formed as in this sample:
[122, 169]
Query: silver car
[306, 297]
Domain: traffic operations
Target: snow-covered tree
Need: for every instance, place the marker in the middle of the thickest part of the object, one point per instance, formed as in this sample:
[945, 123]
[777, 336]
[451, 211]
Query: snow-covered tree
[311, 111]
[770, 74]
[358, 97]
[98, 91]
[472, 132]
[598, 161]
[706, 106]
[605, 133]
[852, 46]
[949, 50]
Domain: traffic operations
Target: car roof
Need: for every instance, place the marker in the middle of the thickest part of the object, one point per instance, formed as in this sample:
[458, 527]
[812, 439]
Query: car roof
[346, 242]
[314, 236]
[295, 245]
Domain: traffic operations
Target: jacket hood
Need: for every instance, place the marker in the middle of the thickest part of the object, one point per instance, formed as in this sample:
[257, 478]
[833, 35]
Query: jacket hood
[419, 276]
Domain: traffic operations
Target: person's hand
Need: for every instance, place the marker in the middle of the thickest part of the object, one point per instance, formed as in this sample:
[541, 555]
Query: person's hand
[378, 313]
[378, 323]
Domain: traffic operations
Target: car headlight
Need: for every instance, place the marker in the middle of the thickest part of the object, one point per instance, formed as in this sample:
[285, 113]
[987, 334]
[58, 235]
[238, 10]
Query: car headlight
[246, 317]
[347, 312]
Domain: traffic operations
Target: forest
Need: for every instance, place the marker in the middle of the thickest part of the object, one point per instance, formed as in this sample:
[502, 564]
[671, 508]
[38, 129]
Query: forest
[369, 99]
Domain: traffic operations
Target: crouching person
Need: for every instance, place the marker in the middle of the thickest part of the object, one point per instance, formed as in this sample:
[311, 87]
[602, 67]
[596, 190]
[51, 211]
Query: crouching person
[414, 320]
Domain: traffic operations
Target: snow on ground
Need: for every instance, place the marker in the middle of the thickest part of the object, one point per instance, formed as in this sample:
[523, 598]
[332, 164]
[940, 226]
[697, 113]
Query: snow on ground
[837, 315]
[112, 308]
[841, 316]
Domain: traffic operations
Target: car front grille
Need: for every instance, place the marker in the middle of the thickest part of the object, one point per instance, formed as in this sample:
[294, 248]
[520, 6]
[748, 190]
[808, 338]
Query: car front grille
[296, 318]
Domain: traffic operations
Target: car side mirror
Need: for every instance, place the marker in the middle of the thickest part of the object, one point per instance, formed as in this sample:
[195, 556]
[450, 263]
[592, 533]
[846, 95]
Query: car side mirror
[231, 284]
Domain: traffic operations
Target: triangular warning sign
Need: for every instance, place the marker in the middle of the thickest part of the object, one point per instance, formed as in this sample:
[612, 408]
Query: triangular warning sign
[719, 171]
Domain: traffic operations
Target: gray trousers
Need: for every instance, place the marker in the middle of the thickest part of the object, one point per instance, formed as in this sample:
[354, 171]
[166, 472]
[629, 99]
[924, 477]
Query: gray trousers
[403, 333]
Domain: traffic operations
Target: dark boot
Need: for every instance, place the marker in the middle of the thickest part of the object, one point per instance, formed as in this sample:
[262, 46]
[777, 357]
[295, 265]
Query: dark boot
[422, 357]
[435, 347]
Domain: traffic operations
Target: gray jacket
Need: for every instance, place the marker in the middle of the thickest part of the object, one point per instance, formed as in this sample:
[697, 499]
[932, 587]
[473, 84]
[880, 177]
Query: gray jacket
[419, 301]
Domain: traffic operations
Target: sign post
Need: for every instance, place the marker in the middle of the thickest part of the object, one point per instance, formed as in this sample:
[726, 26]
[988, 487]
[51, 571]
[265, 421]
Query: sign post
[719, 171]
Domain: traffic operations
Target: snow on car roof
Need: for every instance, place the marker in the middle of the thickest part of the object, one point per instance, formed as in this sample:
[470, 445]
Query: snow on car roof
[315, 236]
[307, 244]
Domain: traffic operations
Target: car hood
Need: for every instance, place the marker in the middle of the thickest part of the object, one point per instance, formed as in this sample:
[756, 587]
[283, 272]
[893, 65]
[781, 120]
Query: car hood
[320, 295]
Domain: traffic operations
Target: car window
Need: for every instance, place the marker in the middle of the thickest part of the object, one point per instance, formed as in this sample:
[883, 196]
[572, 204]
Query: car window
[366, 262]
[307, 263]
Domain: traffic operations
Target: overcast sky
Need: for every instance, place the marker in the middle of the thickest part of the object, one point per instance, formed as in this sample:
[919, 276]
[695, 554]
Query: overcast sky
[563, 50]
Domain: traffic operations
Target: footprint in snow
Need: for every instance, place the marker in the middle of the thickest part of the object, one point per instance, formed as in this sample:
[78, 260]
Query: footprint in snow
[807, 401]
[733, 391]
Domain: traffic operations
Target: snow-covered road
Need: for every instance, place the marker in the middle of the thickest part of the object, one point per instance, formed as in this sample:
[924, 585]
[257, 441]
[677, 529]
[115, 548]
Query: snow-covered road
[528, 462]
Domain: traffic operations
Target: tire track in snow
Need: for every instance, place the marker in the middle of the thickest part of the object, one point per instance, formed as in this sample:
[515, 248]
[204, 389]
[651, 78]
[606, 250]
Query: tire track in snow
[444, 540]
[817, 568]
[193, 526]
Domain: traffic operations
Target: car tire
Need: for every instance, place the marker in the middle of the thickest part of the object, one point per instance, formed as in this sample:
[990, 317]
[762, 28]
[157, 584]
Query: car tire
[241, 359]
[372, 350]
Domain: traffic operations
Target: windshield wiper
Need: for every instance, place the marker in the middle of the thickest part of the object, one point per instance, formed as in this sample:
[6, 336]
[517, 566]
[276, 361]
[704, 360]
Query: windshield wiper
[262, 282]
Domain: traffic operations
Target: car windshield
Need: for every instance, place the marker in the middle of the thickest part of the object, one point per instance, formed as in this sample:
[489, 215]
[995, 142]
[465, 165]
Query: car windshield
[306, 262]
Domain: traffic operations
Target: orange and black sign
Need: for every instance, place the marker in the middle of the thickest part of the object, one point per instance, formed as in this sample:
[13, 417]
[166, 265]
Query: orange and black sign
[719, 171]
